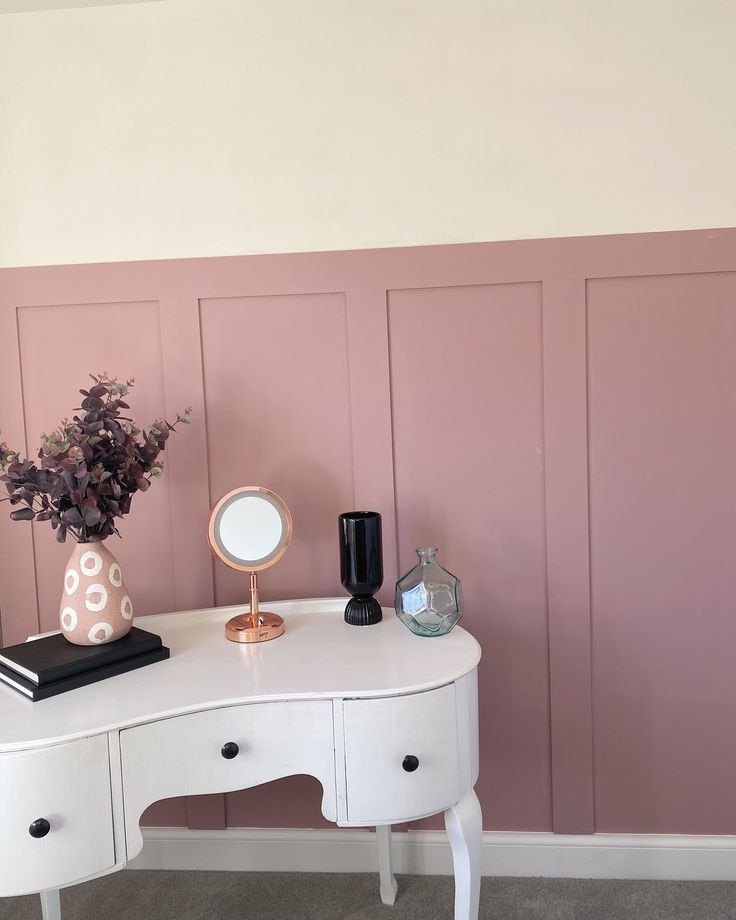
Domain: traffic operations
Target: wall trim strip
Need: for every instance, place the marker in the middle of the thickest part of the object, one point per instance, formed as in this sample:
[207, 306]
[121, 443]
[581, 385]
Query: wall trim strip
[504, 853]
[568, 558]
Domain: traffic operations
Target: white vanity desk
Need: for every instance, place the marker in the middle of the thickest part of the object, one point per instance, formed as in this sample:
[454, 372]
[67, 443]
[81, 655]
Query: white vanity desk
[386, 721]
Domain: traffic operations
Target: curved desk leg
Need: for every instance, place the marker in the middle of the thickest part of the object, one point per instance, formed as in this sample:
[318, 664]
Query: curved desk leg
[385, 867]
[50, 904]
[464, 825]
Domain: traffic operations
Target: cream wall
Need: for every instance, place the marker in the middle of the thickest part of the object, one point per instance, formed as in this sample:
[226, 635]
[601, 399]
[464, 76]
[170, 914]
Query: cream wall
[211, 127]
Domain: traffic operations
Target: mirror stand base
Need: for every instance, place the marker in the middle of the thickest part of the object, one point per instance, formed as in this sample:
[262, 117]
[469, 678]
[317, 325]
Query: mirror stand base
[259, 628]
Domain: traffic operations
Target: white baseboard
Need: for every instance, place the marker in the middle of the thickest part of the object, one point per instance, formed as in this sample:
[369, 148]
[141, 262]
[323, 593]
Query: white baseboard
[428, 853]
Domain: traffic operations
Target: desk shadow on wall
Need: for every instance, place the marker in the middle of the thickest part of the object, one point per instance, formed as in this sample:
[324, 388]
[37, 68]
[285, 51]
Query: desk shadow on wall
[293, 801]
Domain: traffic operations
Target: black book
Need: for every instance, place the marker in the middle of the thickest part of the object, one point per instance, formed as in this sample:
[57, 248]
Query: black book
[53, 658]
[35, 693]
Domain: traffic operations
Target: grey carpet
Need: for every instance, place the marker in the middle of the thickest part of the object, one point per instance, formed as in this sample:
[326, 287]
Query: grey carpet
[273, 896]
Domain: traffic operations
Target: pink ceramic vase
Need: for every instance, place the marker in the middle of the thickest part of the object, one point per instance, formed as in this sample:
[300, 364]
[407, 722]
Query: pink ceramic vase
[95, 607]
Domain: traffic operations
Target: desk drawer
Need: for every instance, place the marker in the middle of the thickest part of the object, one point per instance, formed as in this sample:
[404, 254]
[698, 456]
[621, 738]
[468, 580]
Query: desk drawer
[401, 756]
[222, 750]
[66, 790]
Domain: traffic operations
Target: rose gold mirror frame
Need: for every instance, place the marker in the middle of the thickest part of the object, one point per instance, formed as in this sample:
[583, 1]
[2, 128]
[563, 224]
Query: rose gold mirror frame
[257, 625]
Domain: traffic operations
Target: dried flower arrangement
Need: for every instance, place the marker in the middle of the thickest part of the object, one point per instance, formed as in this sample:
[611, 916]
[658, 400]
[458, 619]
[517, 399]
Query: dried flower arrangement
[90, 466]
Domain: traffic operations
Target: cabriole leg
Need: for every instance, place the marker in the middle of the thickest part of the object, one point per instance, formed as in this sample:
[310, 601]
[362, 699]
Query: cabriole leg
[50, 904]
[385, 864]
[464, 825]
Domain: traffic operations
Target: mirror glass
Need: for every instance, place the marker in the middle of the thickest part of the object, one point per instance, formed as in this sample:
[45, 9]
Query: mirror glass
[250, 528]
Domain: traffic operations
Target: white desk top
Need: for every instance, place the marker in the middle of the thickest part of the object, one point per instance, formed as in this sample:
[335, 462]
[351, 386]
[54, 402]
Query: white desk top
[318, 657]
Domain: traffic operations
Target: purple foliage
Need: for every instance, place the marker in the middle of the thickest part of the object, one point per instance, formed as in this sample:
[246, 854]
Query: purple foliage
[89, 468]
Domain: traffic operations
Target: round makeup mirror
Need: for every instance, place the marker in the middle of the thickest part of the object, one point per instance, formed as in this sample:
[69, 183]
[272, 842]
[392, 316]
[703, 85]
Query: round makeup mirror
[249, 530]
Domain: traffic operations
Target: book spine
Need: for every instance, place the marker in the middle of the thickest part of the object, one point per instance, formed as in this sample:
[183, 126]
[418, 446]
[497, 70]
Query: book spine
[91, 677]
[36, 693]
[112, 655]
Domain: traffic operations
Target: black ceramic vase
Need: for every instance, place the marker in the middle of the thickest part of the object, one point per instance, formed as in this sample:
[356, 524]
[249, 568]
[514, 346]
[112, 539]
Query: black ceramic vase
[361, 565]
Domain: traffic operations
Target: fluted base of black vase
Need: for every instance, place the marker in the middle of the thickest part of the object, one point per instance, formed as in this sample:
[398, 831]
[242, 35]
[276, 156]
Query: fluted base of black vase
[363, 611]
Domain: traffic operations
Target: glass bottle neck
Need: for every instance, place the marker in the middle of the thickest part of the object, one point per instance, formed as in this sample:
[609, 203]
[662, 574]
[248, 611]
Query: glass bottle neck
[427, 554]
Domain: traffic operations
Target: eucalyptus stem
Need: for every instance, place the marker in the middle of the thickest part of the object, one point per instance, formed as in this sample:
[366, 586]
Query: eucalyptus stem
[89, 468]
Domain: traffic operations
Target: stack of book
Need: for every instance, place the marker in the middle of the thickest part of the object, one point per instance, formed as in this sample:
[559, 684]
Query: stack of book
[44, 667]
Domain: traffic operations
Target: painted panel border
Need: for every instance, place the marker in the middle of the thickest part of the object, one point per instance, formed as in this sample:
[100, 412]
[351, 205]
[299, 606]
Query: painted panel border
[561, 265]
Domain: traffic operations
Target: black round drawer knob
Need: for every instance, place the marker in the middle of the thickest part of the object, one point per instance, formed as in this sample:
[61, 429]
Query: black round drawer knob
[410, 763]
[230, 750]
[39, 828]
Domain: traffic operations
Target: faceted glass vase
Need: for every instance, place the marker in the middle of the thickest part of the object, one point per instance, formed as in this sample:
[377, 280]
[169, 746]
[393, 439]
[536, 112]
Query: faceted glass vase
[429, 599]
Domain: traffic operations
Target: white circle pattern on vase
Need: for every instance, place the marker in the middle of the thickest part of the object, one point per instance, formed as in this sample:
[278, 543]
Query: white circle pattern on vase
[91, 563]
[104, 629]
[95, 605]
[68, 619]
[71, 581]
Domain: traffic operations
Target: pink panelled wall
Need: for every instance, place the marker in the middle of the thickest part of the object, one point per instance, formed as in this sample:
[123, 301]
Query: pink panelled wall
[558, 416]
